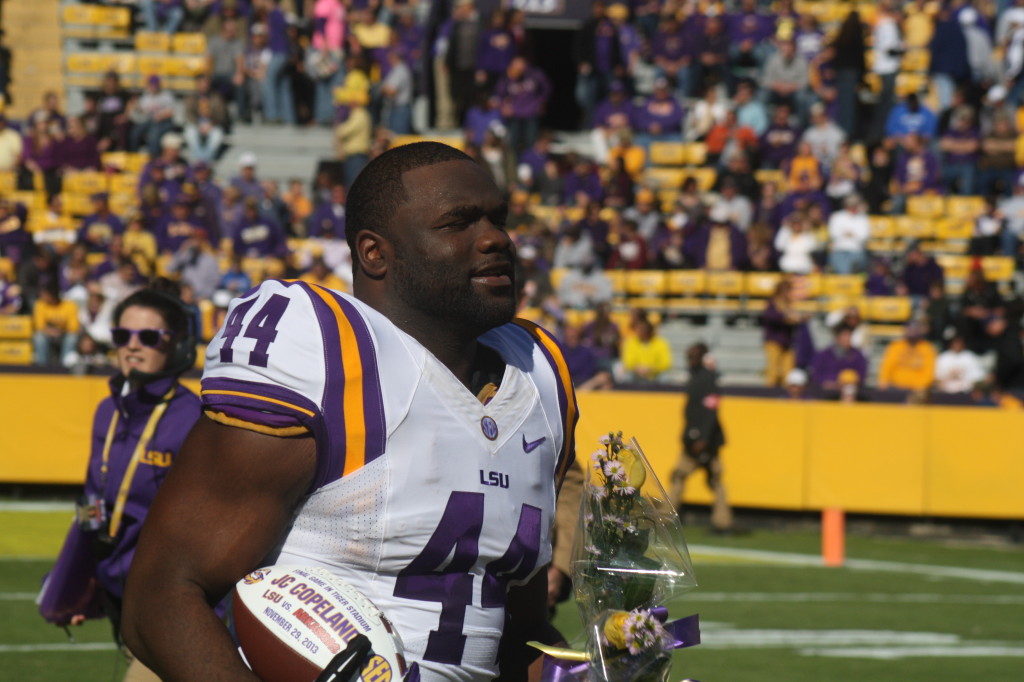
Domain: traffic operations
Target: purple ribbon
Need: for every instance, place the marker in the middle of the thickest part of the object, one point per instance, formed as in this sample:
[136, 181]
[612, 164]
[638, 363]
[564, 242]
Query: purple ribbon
[685, 632]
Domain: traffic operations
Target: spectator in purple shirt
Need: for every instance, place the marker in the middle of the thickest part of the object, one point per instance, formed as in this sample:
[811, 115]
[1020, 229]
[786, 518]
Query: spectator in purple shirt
[276, 89]
[582, 184]
[177, 228]
[78, 150]
[39, 157]
[600, 60]
[672, 54]
[523, 92]
[583, 361]
[840, 357]
[255, 235]
[778, 142]
[246, 181]
[920, 271]
[328, 220]
[480, 117]
[99, 228]
[917, 172]
[749, 31]
[496, 49]
[960, 146]
[659, 117]
[712, 61]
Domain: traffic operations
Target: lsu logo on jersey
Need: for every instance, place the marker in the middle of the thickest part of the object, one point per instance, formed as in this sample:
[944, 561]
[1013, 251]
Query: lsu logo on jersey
[255, 577]
[157, 458]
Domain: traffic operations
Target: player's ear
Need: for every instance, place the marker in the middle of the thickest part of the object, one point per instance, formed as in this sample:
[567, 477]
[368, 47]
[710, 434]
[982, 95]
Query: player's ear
[373, 252]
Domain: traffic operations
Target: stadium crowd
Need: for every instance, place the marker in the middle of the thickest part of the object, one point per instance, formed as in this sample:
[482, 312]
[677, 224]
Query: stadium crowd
[796, 126]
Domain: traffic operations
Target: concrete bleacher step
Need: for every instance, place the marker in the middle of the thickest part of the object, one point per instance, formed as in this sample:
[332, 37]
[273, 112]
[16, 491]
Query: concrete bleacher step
[282, 152]
[30, 34]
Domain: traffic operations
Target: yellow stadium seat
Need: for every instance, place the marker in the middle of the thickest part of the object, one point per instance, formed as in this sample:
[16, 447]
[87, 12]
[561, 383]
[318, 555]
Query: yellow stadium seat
[910, 83]
[85, 182]
[916, 60]
[188, 66]
[889, 309]
[15, 352]
[76, 204]
[155, 65]
[135, 162]
[15, 327]
[705, 177]
[95, 22]
[911, 227]
[664, 178]
[954, 267]
[964, 207]
[696, 154]
[843, 302]
[766, 175]
[114, 160]
[956, 229]
[667, 199]
[618, 280]
[807, 286]
[152, 41]
[926, 206]
[8, 181]
[646, 283]
[761, 284]
[998, 268]
[556, 276]
[579, 318]
[726, 287]
[124, 183]
[189, 43]
[122, 204]
[6, 268]
[668, 153]
[850, 286]
[686, 282]
[882, 226]
[451, 141]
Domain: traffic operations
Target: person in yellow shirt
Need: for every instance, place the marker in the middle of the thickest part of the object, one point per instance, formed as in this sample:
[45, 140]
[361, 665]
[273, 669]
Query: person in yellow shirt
[56, 326]
[321, 275]
[353, 136]
[908, 363]
[645, 355]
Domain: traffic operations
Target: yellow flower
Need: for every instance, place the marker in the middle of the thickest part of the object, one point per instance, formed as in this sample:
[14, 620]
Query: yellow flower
[614, 629]
[635, 469]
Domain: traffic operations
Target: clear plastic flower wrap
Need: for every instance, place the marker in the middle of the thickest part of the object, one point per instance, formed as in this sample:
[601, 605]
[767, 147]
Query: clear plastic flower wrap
[630, 559]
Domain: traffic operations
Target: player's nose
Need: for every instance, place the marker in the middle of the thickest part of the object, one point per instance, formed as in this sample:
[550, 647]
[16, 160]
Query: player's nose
[493, 237]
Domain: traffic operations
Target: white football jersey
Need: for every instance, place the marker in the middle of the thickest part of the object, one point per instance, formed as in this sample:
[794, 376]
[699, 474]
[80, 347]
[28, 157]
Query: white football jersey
[426, 499]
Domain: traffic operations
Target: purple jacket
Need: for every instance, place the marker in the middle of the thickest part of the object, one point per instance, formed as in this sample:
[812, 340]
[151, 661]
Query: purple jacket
[324, 220]
[778, 143]
[829, 363]
[754, 26]
[526, 95]
[919, 278]
[277, 32]
[918, 173]
[795, 200]
[496, 50]
[670, 46]
[607, 109]
[695, 246]
[134, 411]
[777, 328]
[79, 154]
[260, 237]
[478, 121]
[667, 113]
[588, 184]
[96, 230]
[171, 234]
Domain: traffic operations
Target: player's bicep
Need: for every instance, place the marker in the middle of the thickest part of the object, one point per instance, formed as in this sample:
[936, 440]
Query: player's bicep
[224, 506]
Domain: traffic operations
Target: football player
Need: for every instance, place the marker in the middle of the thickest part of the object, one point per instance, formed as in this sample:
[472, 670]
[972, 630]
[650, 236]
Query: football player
[410, 438]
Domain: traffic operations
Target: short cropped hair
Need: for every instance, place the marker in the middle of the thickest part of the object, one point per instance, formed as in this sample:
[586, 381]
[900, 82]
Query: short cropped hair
[378, 191]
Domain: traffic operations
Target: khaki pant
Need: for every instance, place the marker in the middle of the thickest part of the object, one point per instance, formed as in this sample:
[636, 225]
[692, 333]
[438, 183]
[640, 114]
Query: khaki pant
[444, 108]
[778, 362]
[721, 514]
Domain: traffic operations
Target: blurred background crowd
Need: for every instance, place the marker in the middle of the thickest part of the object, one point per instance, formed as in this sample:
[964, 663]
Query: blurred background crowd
[843, 177]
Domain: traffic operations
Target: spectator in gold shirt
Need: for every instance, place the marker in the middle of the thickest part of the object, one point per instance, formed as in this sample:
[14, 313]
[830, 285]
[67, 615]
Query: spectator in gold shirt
[56, 326]
[908, 363]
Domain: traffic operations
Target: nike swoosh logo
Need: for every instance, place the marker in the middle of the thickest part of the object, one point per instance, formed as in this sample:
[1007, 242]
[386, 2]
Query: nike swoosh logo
[533, 444]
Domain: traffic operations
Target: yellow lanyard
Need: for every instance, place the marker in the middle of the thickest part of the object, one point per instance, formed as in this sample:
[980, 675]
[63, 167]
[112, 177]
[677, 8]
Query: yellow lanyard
[133, 464]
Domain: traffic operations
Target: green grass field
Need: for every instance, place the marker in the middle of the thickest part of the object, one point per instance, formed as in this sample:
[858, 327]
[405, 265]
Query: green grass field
[900, 611]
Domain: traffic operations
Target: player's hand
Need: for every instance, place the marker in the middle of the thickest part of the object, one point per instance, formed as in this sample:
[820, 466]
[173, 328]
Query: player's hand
[77, 619]
[555, 581]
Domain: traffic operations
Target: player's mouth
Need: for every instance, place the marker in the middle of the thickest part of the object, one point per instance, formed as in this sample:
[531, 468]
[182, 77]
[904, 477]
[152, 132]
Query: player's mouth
[495, 275]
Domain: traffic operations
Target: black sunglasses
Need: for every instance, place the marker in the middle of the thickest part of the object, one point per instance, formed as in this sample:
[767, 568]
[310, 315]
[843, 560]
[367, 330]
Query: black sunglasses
[150, 338]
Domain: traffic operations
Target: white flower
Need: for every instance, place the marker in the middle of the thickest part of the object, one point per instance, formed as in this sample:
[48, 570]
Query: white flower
[590, 549]
[604, 440]
[598, 492]
[625, 490]
[643, 631]
[615, 470]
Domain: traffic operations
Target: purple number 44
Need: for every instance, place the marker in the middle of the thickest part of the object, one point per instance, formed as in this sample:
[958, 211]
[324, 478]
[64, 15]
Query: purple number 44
[262, 327]
[430, 577]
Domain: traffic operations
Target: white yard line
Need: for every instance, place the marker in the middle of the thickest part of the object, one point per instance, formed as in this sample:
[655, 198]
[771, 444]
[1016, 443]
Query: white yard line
[794, 559]
[68, 507]
[881, 597]
[67, 646]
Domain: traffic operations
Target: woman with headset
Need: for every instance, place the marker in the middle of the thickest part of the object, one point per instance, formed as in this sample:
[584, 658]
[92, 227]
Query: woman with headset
[137, 432]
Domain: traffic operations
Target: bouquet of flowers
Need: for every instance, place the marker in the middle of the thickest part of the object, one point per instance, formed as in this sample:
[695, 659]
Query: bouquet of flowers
[629, 560]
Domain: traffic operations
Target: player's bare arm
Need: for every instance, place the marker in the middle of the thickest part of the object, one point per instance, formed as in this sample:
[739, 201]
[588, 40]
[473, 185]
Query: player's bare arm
[224, 506]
